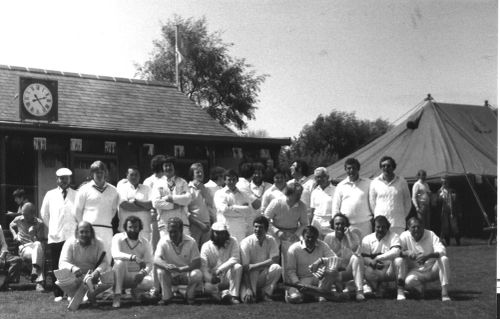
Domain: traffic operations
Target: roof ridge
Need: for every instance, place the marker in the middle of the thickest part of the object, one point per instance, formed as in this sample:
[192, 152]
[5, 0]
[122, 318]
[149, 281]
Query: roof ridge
[86, 76]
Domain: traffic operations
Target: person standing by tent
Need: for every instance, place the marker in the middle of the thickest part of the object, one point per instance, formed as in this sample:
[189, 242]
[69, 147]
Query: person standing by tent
[390, 196]
[447, 198]
[351, 198]
[420, 196]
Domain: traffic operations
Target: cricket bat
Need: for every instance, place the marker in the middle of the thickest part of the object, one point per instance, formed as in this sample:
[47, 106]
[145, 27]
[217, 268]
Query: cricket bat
[82, 290]
[314, 291]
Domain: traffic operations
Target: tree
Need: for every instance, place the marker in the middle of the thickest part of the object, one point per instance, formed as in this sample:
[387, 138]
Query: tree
[332, 137]
[222, 85]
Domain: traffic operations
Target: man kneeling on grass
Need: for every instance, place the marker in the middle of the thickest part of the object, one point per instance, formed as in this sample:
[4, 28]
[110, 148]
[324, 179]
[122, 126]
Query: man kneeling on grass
[308, 264]
[220, 264]
[177, 261]
[380, 251]
[83, 262]
[260, 260]
[133, 260]
[425, 260]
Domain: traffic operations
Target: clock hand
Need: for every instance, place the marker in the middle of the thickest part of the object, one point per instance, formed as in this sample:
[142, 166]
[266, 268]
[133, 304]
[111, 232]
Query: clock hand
[36, 97]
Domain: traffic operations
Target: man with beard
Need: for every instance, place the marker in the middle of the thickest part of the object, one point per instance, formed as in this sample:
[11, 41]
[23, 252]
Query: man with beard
[304, 260]
[425, 259]
[345, 243]
[177, 262]
[380, 251]
[351, 198]
[220, 264]
[390, 196]
[259, 257]
[171, 197]
[133, 260]
[28, 231]
[82, 263]
[57, 214]
[97, 202]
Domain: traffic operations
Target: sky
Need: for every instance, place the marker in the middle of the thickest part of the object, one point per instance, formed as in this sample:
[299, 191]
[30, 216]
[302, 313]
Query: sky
[377, 58]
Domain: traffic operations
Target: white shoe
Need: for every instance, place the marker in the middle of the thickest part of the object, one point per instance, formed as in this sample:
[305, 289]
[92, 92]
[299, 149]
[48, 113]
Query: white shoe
[445, 298]
[367, 289]
[360, 296]
[58, 299]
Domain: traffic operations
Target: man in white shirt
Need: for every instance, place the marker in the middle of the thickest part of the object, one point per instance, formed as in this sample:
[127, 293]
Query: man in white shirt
[171, 197]
[421, 198]
[425, 259]
[244, 185]
[220, 265]
[135, 200]
[97, 203]
[299, 171]
[380, 251]
[57, 215]
[304, 259]
[82, 263]
[288, 217]
[345, 243]
[133, 260]
[277, 190]
[233, 206]
[177, 262]
[390, 196]
[259, 258]
[351, 198]
[157, 166]
[321, 202]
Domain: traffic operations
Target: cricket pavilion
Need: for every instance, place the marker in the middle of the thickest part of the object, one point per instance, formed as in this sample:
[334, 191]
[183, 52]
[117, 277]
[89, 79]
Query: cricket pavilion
[50, 119]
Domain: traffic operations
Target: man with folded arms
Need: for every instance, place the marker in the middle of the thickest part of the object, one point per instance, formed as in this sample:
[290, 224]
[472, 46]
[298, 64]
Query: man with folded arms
[135, 200]
[133, 260]
[233, 206]
[177, 261]
[82, 263]
[425, 259]
[220, 264]
[380, 251]
[170, 197]
[259, 257]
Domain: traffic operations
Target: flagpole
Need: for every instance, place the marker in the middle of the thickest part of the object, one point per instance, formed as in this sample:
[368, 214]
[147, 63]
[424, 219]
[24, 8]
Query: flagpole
[177, 75]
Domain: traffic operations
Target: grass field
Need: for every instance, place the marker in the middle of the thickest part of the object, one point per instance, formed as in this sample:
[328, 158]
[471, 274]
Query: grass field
[472, 289]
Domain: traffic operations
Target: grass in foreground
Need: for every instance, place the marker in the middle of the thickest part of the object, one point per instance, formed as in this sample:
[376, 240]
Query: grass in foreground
[472, 289]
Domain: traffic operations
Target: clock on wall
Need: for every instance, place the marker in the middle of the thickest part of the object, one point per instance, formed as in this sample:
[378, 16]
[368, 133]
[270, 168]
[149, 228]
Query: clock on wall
[38, 99]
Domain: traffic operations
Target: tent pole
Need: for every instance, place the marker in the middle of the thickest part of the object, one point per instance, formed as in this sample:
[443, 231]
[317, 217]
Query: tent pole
[476, 196]
[483, 211]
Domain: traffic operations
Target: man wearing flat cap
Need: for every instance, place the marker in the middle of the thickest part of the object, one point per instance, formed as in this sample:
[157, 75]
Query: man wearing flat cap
[220, 265]
[57, 215]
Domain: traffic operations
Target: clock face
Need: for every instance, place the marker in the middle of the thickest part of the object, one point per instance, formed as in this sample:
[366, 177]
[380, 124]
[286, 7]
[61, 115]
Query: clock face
[37, 99]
